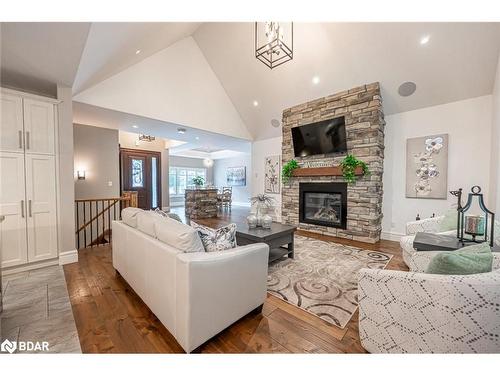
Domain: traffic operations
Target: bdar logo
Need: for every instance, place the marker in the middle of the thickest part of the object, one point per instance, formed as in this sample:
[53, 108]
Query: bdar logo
[8, 346]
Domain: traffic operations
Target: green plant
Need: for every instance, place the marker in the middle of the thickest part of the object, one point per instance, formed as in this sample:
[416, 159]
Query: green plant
[287, 170]
[349, 165]
[263, 199]
[198, 181]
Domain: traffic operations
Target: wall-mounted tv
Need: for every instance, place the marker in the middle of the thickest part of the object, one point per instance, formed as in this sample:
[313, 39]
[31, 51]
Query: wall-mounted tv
[323, 137]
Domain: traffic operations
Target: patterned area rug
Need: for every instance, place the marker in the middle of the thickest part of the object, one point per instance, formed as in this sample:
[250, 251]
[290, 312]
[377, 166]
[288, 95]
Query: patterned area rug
[322, 279]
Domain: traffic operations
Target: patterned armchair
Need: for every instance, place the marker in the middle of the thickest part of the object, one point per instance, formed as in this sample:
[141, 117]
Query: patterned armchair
[408, 312]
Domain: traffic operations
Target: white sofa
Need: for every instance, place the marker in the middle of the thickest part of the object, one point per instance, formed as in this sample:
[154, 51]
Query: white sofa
[194, 294]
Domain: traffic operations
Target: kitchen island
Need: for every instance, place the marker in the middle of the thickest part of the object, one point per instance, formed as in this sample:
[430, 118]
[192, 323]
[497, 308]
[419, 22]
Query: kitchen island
[201, 203]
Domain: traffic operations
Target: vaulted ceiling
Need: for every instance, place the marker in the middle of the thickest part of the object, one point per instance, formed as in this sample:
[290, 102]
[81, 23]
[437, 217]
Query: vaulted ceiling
[458, 62]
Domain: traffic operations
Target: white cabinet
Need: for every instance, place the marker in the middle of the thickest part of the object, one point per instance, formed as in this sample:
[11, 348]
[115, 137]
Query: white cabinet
[11, 123]
[41, 207]
[27, 179]
[13, 206]
[39, 127]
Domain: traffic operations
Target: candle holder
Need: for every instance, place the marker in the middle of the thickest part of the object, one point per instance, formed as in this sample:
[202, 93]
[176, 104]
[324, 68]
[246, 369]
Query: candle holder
[475, 225]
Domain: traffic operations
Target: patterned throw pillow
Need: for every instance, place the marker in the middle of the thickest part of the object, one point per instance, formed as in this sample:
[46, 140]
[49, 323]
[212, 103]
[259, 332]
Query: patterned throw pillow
[168, 214]
[216, 239]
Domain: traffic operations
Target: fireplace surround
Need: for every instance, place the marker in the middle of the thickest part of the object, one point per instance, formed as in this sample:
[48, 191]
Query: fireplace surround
[364, 122]
[323, 204]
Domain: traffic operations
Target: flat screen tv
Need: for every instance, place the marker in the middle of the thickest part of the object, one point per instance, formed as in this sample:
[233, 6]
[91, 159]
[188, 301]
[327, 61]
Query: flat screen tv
[323, 137]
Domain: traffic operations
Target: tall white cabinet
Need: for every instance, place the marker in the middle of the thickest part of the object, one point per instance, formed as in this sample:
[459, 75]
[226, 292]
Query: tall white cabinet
[28, 186]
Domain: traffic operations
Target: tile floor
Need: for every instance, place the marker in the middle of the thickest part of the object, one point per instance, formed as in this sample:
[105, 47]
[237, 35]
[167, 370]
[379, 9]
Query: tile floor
[36, 307]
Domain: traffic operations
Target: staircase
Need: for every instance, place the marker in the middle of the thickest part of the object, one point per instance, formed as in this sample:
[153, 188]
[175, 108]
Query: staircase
[94, 217]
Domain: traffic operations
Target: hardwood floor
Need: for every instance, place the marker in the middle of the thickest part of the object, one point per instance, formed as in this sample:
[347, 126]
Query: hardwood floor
[111, 318]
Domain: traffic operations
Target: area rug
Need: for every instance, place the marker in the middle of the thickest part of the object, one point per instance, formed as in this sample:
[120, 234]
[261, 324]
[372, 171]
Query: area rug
[322, 279]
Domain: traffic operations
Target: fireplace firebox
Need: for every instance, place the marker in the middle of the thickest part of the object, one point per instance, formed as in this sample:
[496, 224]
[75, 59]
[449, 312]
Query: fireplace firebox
[323, 204]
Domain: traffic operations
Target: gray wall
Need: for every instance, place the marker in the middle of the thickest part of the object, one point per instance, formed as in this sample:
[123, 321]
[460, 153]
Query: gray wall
[96, 150]
[241, 194]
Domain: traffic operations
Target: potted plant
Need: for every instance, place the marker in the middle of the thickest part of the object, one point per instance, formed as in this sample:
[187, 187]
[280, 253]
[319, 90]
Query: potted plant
[198, 181]
[349, 165]
[287, 170]
[261, 201]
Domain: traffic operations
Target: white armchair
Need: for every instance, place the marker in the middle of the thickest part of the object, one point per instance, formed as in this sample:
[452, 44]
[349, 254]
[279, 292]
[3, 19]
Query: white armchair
[407, 312]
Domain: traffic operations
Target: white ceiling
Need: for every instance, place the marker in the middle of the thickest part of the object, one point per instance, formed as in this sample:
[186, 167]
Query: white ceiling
[38, 56]
[111, 47]
[458, 62]
[195, 138]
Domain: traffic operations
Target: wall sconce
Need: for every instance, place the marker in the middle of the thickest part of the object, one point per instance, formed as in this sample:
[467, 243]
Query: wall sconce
[208, 162]
[81, 175]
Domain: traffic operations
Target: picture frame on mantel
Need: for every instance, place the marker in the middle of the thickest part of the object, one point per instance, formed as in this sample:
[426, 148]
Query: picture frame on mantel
[427, 167]
[272, 168]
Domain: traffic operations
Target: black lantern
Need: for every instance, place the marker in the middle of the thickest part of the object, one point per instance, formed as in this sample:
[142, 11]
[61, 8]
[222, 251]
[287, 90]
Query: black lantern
[475, 226]
[274, 43]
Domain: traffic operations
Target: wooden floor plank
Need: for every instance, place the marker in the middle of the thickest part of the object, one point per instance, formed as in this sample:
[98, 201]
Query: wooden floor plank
[111, 318]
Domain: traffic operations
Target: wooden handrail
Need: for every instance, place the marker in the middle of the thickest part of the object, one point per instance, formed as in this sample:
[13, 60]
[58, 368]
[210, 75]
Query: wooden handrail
[103, 199]
[115, 201]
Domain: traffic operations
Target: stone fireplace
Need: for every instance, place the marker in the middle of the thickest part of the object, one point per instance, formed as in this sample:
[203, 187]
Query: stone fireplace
[318, 211]
[323, 204]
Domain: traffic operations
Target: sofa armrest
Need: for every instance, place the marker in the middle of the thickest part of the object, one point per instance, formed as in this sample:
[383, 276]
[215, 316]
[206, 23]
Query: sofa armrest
[430, 225]
[407, 312]
[216, 289]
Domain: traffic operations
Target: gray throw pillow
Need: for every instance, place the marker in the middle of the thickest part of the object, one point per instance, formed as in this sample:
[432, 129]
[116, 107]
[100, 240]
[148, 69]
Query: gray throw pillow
[216, 239]
[168, 214]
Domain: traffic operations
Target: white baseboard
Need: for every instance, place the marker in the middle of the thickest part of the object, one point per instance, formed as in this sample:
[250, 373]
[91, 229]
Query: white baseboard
[29, 267]
[68, 257]
[391, 236]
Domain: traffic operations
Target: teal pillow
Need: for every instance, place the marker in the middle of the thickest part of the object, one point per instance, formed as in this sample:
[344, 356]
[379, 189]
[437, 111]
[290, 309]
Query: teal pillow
[466, 261]
[449, 221]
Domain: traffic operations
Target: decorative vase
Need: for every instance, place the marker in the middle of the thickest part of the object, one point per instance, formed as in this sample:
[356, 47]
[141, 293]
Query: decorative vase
[267, 221]
[252, 221]
[258, 214]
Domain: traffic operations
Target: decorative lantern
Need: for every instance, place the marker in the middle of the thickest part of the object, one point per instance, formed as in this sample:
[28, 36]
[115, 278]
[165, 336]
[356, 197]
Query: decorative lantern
[475, 226]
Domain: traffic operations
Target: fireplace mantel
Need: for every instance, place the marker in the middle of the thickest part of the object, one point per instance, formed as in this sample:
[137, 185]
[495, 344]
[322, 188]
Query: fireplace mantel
[323, 171]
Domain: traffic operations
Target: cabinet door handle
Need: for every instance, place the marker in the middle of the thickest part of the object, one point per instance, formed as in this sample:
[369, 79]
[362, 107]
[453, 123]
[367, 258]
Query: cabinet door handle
[29, 207]
[22, 208]
[20, 138]
[28, 140]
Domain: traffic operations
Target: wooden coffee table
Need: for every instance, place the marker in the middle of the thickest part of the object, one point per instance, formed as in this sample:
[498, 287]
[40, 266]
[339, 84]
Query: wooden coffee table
[279, 238]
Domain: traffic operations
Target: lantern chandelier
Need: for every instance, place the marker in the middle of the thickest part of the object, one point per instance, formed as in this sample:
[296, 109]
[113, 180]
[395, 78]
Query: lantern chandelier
[274, 43]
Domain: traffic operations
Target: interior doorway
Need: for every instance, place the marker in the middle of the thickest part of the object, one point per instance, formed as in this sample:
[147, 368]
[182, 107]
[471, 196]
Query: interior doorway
[140, 171]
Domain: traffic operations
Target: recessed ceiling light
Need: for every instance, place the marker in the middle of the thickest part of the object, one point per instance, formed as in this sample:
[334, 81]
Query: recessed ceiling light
[407, 88]
[425, 39]
[135, 126]
[138, 51]
[181, 130]
[255, 103]
[315, 80]
[197, 138]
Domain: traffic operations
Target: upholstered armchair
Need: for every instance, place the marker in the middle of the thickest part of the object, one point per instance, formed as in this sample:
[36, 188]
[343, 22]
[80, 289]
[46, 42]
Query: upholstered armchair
[409, 312]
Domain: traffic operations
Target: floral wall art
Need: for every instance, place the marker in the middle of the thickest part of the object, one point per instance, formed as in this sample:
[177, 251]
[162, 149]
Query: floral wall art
[427, 167]
[272, 175]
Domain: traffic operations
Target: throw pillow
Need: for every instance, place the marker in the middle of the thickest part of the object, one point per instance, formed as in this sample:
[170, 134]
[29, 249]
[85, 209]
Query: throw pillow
[466, 261]
[168, 214]
[216, 239]
[449, 221]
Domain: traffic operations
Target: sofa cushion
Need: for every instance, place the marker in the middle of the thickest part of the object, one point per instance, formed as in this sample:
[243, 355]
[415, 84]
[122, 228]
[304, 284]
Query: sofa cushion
[129, 216]
[168, 214]
[178, 235]
[466, 261]
[217, 239]
[146, 223]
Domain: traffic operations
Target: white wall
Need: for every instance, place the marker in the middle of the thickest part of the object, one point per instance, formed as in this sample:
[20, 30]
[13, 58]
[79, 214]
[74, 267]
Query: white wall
[495, 147]
[67, 250]
[174, 85]
[182, 161]
[260, 150]
[240, 194]
[468, 123]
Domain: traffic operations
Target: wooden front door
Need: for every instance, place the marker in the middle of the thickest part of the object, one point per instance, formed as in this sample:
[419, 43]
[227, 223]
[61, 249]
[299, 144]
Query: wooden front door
[141, 171]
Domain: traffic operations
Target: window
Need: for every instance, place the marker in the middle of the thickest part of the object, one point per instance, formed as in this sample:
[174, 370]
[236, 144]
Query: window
[181, 178]
[137, 173]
